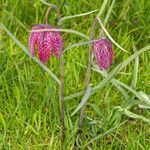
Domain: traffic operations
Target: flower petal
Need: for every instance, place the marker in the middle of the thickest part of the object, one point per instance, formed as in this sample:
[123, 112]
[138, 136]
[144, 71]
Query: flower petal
[44, 46]
[33, 39]
[32, 42]
[57, 43]
[103, 53]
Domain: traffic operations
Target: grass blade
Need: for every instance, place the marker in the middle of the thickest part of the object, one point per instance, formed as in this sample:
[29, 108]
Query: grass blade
[79, 44]
[135, 72]
[48, 4]
[108, 78]
[105, 133]
[2, 120]
[74, 16]
[83, 101]
[64, 30]
[134, 92]
[108, 13]
[113, 81]
[132, 115]
[102, 8]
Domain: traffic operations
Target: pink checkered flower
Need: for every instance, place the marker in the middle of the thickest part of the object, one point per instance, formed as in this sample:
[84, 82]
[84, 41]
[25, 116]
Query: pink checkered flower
[104, 54]
[47, 42]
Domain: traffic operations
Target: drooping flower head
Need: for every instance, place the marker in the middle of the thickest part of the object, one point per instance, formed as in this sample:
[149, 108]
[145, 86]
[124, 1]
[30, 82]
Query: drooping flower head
[46, 41]
[104, 54]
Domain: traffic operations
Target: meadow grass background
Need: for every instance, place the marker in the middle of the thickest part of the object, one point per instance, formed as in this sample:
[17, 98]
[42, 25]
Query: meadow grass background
[29, 100]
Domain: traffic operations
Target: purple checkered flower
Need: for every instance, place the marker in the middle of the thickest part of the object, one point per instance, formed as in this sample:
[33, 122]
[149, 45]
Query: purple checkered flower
[47, 42]
[104, 54]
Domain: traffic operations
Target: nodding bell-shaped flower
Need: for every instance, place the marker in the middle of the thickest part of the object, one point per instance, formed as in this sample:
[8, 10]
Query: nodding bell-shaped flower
[104, 54]
[47, 41]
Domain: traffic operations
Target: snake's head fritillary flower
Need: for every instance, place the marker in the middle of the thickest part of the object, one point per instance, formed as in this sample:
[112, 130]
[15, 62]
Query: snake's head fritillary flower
[104, 54]
[46, 41]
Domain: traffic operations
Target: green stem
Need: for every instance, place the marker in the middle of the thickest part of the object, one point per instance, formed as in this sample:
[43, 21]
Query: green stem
[88, 73]
[62, 97]
[48, 11]
[62, 91]
[90, 60]
[61, 86]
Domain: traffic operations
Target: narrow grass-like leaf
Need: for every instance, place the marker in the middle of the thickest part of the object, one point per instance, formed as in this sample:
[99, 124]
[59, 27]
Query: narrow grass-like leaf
[126, 5]
[143, 106]
[132, 115]
[135, 72]
[121, 66]
[96, 109]
[119, 86]
[28, 53]
[102, 8]
[84, 99]
[105, 133]
[121, 89]
[2, 120]
[32, 129]
[64, 30]
[100, 85]
[79, 44]
[146, 98]
[113, 81]
[107, 79]
[78, 94]
[132, 57]
[74, 16]
[48, 4]
[109, 36]
[108, 13]
[134, 92]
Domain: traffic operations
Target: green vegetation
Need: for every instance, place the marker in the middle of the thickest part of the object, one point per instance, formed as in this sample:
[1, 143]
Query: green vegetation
[117, 114]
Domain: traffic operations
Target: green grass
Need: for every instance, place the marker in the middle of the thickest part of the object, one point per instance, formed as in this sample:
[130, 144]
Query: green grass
[29, 98]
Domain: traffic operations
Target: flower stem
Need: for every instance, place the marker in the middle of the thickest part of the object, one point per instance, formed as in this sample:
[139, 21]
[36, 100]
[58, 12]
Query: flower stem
[61, 64]
[90, 60]
[62, 97]
[62, 92]
[88, 72]
[62, 87]
[48, 11]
